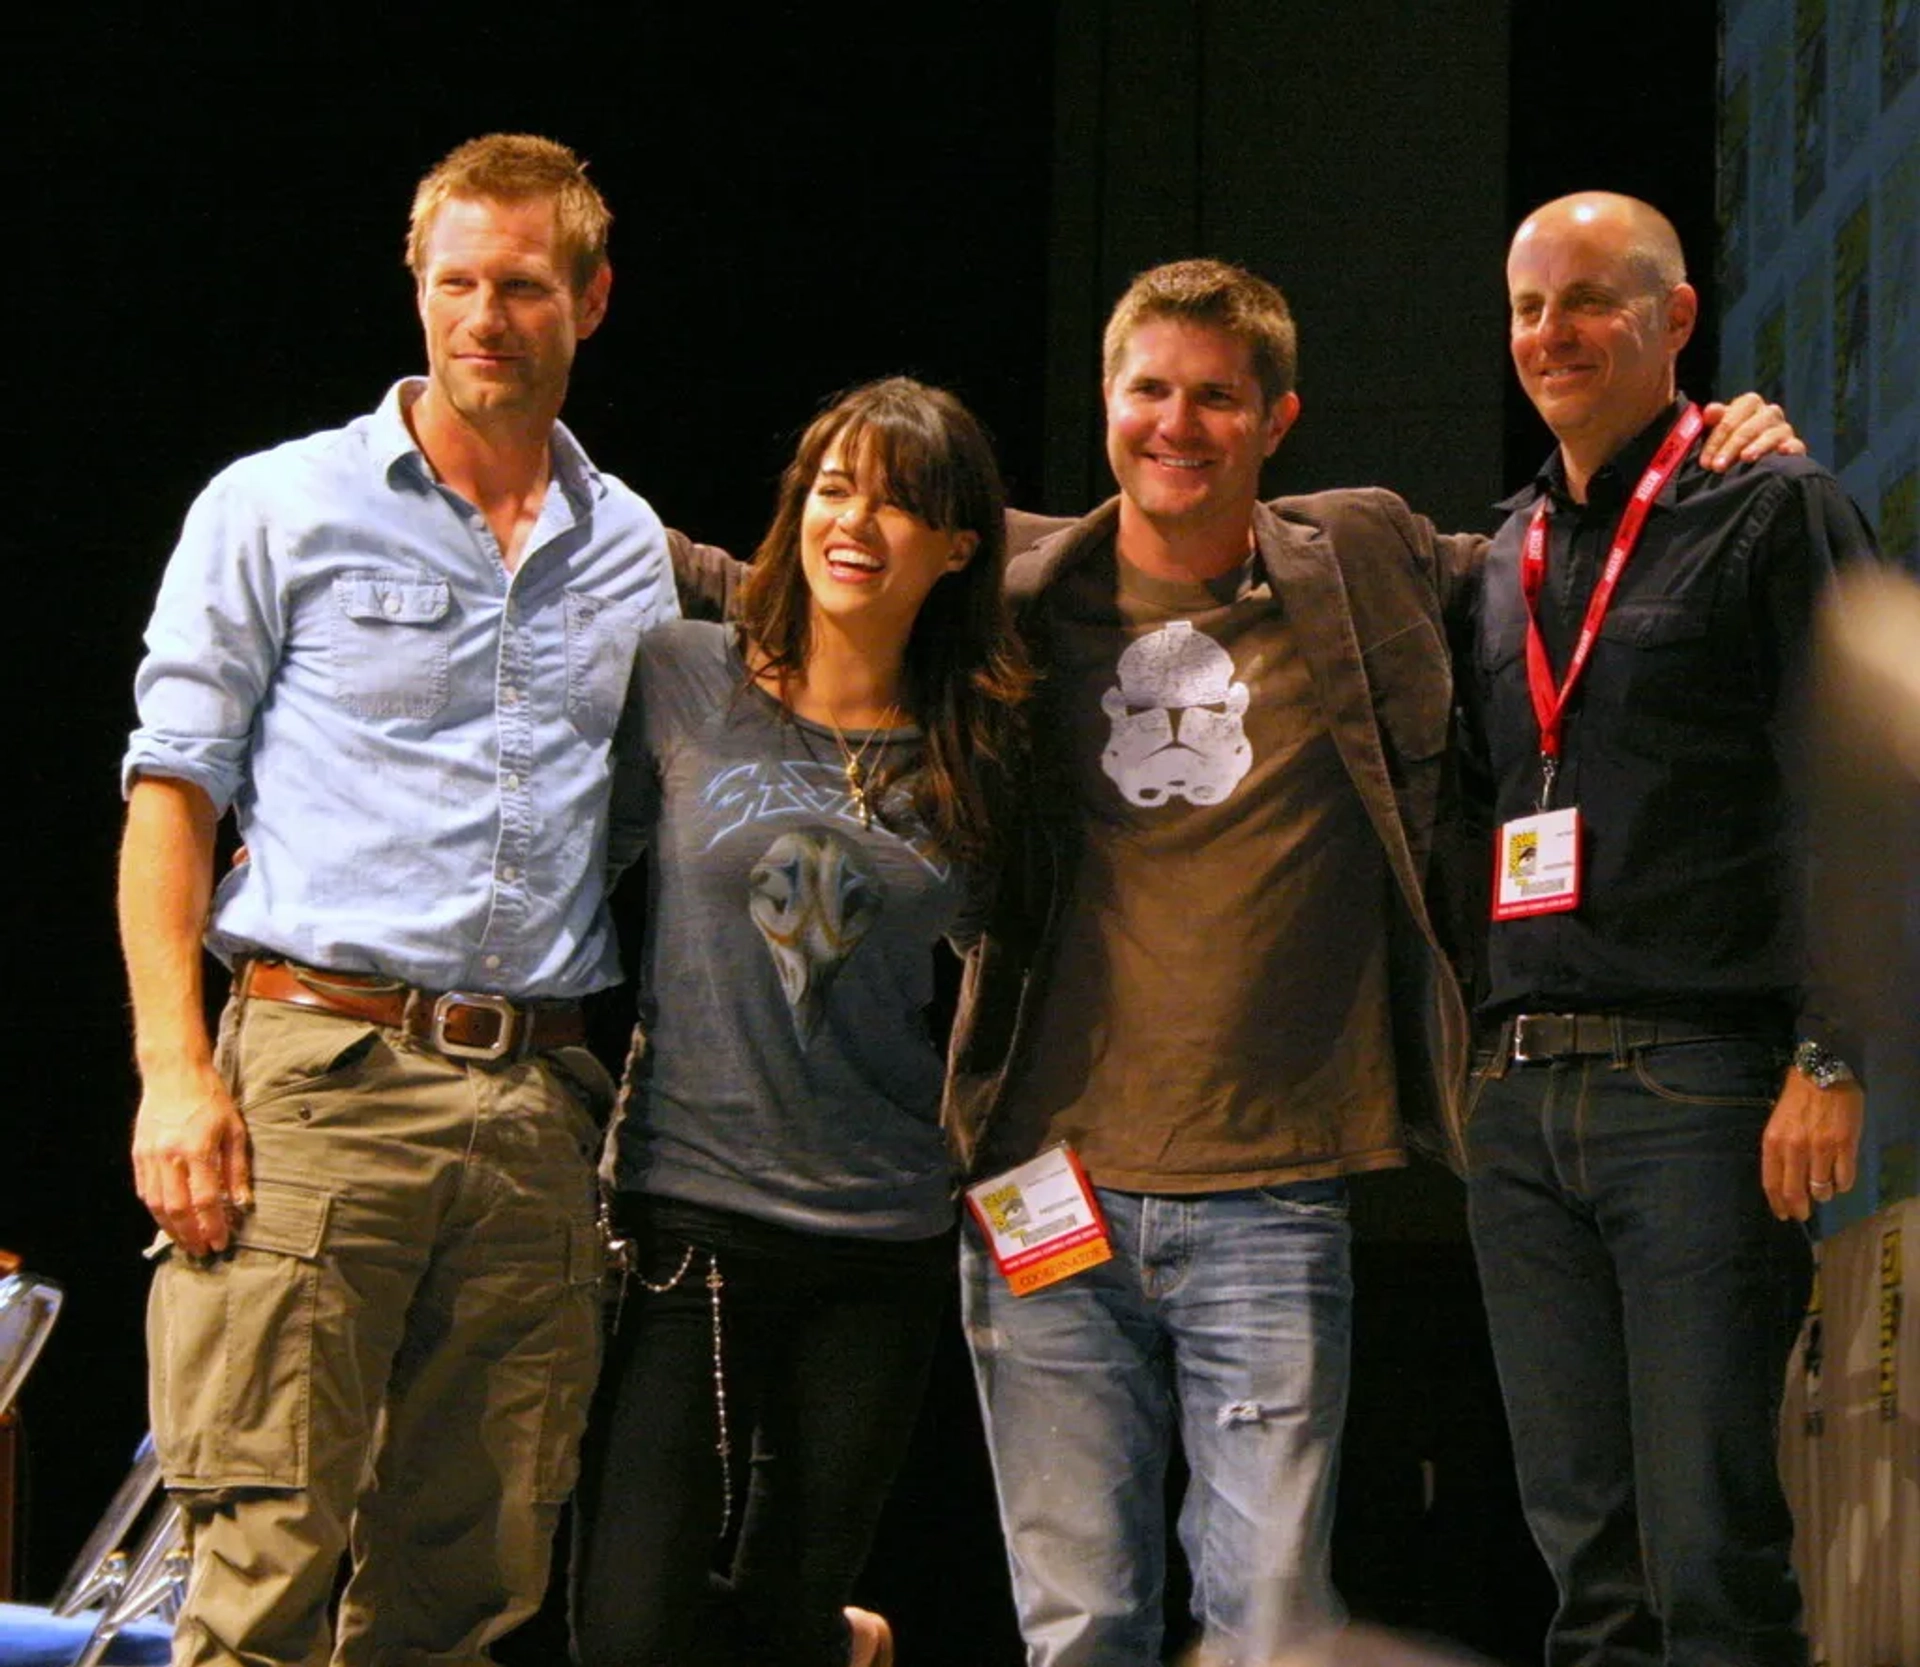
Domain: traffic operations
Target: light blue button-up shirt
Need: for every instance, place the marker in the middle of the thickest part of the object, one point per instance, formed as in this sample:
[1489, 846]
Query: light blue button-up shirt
[414, 742]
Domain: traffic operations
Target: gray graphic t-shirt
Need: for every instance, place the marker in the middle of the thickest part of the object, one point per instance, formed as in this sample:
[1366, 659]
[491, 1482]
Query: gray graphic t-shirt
[790, 1074]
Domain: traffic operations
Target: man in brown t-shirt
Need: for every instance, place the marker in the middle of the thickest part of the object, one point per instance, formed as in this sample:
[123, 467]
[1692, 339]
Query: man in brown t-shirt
[1216, 979]
[1217, 982]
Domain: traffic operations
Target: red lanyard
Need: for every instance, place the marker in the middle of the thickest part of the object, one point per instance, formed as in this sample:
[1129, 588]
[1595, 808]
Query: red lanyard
[1549, 704]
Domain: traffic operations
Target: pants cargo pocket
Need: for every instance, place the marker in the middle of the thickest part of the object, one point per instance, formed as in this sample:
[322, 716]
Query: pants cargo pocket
[230, 1347]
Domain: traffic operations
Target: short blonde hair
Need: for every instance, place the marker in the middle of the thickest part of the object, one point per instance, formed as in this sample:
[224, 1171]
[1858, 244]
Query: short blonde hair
[1230, 298]
[512, 168]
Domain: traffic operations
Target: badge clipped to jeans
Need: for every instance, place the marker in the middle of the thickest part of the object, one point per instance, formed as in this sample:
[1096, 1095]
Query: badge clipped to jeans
[1041, 1221]
[1536, 869]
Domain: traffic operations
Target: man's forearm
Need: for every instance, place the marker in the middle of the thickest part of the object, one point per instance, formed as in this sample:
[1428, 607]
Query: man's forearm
[706, 577]
[166, 884]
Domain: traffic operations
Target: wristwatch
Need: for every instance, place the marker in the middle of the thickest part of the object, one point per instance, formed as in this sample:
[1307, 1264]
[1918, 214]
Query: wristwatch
[1821, 1066]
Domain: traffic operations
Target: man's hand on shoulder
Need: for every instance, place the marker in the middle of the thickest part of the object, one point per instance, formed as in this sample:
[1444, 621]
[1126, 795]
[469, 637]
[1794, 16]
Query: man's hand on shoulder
[190, 1162]
[1745, 429]
[1811, 1146]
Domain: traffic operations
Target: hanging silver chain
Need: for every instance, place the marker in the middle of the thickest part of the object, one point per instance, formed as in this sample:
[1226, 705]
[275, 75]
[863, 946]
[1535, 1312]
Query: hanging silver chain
[624, 1260]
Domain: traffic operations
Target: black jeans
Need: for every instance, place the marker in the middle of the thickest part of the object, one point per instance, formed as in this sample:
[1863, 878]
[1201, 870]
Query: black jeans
[1643, 1301]
[824, 1348]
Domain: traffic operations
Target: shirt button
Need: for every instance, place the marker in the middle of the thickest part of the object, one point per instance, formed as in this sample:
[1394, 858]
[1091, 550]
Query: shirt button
[512, 783]
[391, 605]
[509, 695]
[509, 873]
[493, 963]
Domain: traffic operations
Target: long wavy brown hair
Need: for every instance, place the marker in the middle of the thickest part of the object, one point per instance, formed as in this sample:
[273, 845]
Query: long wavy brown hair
[966, 673]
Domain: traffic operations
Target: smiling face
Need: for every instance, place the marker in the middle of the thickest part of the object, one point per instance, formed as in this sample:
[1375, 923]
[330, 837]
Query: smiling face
[866, 558]
[1188, 428]
[500, 313]
[1594, 329]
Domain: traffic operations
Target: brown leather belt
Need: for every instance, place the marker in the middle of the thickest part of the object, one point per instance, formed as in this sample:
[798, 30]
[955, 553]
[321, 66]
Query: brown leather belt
[457, 1023]
[1539, 1038]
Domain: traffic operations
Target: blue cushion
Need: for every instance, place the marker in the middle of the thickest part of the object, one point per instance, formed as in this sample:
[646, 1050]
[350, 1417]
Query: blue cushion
[34, 1637]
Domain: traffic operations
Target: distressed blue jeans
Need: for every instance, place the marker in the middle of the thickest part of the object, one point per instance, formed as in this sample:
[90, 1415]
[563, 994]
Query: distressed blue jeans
[1643, 1301]
[1226, 1317]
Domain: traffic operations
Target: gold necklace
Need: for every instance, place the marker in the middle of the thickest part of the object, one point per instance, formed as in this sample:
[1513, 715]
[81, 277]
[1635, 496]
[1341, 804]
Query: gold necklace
[853, 764]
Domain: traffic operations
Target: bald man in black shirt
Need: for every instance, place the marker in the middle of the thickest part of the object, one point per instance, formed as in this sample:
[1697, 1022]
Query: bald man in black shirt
[1662, 1090]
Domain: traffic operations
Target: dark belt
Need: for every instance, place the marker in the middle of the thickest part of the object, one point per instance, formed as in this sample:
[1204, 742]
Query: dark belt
[457, 1023]
[1540, 1038]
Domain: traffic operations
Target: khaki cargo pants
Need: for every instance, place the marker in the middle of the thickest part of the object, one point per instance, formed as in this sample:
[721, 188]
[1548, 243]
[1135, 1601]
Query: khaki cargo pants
[395, 1355]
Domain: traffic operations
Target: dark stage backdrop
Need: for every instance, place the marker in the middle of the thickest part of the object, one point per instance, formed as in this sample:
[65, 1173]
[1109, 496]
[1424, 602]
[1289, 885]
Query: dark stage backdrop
[206, 260]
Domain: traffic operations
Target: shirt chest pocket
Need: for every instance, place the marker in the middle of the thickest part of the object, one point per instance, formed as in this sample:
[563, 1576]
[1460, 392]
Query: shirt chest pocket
[390, 644]
[1658, 659]
[601, 636]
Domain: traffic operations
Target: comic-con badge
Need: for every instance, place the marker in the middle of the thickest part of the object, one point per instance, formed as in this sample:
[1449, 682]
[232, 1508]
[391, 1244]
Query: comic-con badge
[1536, 865]
[1041, 1220]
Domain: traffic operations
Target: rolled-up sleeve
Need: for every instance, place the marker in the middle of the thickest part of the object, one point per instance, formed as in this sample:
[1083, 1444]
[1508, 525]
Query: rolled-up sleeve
[212, 645]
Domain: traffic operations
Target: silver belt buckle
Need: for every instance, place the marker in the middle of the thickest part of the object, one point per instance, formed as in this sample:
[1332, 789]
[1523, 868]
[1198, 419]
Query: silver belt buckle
[498, 1048]
[1522, 1024]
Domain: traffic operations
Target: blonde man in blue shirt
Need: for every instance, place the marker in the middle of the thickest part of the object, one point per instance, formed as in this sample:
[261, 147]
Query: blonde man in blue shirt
[395, 652]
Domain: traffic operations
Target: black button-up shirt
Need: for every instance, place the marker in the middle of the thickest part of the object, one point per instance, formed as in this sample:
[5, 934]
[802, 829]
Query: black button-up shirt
[1679, 743]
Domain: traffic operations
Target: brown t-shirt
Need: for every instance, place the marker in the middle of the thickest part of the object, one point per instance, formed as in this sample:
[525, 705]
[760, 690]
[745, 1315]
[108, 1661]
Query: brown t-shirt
[1214, 1012]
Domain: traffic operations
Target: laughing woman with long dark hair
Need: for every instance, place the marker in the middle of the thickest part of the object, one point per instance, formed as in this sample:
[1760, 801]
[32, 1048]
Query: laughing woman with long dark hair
[818, 790]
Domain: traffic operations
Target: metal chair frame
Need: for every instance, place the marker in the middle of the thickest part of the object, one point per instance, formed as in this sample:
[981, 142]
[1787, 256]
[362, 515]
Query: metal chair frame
[128, 1586]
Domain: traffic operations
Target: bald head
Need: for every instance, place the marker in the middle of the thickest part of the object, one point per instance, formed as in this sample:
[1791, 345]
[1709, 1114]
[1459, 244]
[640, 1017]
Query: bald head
[1644, 235]
[1600, 308]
